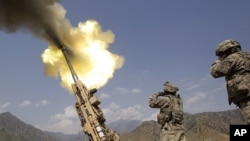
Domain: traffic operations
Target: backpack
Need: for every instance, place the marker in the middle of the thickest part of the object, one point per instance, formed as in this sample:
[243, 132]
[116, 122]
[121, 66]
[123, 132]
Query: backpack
[172, 112]
[246, 58]
[177, 109]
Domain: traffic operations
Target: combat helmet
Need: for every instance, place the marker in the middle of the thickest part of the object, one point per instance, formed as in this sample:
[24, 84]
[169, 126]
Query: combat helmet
[169, 87]
[227, 45]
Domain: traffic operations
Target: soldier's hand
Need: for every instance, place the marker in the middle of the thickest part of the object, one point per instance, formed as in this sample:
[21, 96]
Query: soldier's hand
[216, 62]
[154, 96]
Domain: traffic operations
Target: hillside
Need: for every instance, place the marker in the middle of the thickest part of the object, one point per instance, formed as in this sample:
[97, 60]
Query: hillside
[211, 125]
[207, 126]
[13, 129]
[123, 125]
[147, 131]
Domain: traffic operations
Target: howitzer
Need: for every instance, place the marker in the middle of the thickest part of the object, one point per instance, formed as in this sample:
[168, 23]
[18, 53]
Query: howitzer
[90, 115]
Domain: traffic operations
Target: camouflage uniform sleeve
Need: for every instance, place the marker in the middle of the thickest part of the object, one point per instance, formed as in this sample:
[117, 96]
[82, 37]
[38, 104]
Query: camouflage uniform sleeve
[157, 102]
[221, 67]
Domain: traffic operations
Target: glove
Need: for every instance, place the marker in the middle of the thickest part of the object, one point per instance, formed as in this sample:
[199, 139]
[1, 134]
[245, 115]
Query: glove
[156, 95]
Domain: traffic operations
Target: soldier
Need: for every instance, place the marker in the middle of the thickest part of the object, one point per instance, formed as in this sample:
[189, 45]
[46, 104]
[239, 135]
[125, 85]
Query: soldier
[171, 113]
[234, 65]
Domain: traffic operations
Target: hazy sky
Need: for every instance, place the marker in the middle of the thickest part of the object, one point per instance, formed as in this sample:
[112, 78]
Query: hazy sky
[160, 40]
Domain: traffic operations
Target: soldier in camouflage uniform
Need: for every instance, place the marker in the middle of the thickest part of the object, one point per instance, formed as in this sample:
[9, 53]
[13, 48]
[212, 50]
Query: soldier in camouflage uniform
[171, 113]
[234, 65]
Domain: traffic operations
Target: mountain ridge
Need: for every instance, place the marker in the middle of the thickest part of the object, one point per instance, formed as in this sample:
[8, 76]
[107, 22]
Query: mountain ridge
[12, 128]
[206, 126]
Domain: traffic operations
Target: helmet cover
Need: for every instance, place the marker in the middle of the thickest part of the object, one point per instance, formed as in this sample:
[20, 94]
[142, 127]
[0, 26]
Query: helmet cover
[225, 45]
[169, 87]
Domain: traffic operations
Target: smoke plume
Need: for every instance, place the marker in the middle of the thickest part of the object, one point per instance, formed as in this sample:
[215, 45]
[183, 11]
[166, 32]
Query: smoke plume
[87, 43]
[32, 15]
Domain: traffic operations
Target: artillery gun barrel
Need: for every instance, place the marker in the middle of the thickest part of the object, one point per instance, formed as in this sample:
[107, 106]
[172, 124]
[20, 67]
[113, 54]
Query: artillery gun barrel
[64, 50]
[66, 56]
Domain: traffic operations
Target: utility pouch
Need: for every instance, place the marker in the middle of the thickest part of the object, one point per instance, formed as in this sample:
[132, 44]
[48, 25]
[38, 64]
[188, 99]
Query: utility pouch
[239, 84]
[177, 117]
[238, 88]
[161, 118]
[244, 83]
